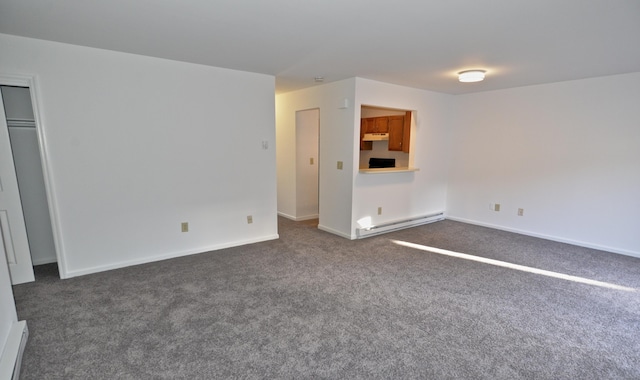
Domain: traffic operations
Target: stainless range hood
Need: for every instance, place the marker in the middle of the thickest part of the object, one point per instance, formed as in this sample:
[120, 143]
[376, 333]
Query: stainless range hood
[375, 137]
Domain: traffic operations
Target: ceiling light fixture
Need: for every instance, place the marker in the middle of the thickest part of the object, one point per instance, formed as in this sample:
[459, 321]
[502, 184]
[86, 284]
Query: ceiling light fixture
[471, 76]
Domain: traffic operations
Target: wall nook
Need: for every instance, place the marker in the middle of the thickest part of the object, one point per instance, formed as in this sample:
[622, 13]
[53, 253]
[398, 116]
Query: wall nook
[385, 135]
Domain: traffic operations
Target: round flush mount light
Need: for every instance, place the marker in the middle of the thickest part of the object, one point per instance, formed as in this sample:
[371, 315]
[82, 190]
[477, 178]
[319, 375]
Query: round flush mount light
[471, 76]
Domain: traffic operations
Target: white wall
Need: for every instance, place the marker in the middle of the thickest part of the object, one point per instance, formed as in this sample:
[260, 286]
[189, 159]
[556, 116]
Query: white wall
[336, 144]
[568, 153]
[346, 195]
[136, 145]
[403, 195]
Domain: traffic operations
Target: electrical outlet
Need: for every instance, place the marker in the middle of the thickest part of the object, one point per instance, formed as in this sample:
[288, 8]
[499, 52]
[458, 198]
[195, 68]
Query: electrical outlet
[520, 212]
[249, 219]
[339, 165]
[184, 226]
[379, 210]
[496, 207]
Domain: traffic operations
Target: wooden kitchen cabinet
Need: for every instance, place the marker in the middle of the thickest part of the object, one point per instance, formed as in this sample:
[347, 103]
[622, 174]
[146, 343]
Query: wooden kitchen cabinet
[364, 125]
[400, 132]
[396, 132]
[381, 125]
[398, 127]
[375, 124]
[406, 133]
[369, 124]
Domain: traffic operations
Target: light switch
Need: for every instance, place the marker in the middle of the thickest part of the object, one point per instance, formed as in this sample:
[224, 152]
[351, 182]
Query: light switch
[339, 165]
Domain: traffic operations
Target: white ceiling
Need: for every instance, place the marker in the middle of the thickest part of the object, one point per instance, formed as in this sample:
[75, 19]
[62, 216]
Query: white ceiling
[416, 43]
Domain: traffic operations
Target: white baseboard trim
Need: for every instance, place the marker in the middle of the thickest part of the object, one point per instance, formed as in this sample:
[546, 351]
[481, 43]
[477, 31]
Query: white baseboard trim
[42, 261]
[298, 218]
[172, 255]
[548, 237]
[282, 214]
[336, 232]
[308, 217]
[11, 359]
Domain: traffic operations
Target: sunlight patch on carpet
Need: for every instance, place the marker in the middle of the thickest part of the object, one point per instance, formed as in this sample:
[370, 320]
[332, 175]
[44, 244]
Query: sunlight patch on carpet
[505, 264]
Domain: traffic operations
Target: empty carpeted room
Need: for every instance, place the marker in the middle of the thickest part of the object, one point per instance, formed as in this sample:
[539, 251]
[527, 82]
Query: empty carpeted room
[217, 189]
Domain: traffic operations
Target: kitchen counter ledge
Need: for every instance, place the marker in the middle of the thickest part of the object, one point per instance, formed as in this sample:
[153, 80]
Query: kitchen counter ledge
[388, 170]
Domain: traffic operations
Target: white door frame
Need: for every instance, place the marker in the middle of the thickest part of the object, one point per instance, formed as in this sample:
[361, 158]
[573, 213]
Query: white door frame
[31, 82]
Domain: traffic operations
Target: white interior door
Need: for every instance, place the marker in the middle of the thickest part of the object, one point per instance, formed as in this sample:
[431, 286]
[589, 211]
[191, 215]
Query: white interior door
[307, 141]
[12, 225]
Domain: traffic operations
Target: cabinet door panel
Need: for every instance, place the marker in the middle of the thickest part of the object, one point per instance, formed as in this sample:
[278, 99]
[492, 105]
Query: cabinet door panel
[365, 145]
[396, 132]
[406, 134]
[381, 125]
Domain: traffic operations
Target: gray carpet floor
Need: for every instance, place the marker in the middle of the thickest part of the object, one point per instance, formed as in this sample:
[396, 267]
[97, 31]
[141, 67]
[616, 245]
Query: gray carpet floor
[314, 305]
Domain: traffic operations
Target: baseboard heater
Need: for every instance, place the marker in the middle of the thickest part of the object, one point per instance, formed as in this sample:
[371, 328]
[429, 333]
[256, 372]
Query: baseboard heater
[398, 225]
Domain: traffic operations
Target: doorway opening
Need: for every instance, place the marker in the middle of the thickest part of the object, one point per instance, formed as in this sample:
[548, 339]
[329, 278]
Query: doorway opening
[27, 233]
